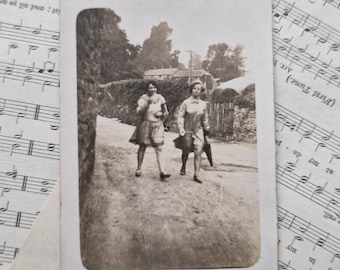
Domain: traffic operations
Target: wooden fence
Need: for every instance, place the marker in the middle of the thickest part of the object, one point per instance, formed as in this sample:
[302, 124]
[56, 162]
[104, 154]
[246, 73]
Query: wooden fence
[221, 119]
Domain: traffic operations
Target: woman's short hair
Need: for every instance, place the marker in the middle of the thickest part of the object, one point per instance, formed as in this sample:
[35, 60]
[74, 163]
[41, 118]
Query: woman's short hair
[153, 82]
[194, 82]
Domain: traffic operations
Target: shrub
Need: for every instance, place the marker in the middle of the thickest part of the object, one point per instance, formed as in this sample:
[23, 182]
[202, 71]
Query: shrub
[119, 99]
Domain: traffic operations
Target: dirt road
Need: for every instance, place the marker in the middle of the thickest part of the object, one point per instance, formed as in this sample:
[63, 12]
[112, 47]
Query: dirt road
[142, 223]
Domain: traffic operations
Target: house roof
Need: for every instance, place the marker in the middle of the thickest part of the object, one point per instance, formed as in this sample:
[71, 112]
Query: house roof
[157, 72]
[194, 73]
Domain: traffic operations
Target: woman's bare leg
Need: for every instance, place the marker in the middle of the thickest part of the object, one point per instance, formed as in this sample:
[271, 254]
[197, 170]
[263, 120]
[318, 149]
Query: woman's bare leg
[197, 163]
[185, 156]
[160, 161]
[140, 156]
[160, 158]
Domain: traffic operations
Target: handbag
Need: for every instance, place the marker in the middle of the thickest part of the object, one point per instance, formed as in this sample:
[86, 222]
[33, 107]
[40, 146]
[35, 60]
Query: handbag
[134, 137]
[185, 142]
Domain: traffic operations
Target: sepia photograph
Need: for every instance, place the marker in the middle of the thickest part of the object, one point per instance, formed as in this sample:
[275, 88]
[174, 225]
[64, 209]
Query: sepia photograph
[167, 135]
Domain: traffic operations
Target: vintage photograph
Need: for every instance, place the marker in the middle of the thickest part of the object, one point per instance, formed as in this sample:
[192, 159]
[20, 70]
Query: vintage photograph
[168, 132]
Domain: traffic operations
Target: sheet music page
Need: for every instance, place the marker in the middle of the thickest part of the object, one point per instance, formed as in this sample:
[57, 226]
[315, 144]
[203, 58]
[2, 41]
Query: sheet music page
[307, 70]
[29, 117]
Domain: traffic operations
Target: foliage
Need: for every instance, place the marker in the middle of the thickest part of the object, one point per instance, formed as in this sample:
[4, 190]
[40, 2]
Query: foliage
[104, 34]
[119, 99]
[224, 62]
[89, 25]
[156, 50]
[247, 98]
[224, 96]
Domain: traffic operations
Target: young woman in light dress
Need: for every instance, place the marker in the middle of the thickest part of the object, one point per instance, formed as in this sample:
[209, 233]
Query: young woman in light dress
[152, 110]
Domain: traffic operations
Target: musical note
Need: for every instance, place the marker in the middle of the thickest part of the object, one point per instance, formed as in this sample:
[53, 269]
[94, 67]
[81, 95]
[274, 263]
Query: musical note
[21, 114]
[321, 241]
[282, 265]
[29, 45]
[26, 79]
[17, 26]
[56, 36]
[37, 112]
[2, 106]
[307, 134]
[4, 209]
[322, 39]
[306, 67]
[304, 229]
[30, 69]
[319, 72]
[32, 48]
[49, 66]
[321, 144]
[44, 84]
[13, 147]
[18, 219]
[336, 256]
[29, 35]
[311, 233]
[336, 156]
[3, 248]
[8, 71]
[332, 78]
[37, 31]
[334, 47]
[18, 135]
[5, 190]
[51, 50]
[297, 21]
[12, 173]
[18, 72]
[12, 46]
[331, 202]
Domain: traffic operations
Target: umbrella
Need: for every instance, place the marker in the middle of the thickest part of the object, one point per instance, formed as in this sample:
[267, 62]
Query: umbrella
[207, 150]
[238, 84]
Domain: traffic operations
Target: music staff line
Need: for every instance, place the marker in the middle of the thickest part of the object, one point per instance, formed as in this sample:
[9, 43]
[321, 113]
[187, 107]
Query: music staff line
[333, 3]
[31, 35]
[306, 61]
[309, 232]
[17, 219]
[18, 109]
[309, 24]
[11, 180]
[301, 185]
[7, 253]
[45, 76]
[308, 130]
[29, 147]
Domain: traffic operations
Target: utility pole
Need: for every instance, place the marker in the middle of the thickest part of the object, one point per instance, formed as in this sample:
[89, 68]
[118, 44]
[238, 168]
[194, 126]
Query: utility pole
[190, 66]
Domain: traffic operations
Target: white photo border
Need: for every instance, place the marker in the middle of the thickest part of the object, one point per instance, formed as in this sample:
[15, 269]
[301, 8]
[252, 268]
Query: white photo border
[70, 235]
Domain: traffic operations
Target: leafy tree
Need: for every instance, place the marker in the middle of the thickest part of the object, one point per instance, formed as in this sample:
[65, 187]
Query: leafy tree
[116, 52]
[224, 62]
[156, 50]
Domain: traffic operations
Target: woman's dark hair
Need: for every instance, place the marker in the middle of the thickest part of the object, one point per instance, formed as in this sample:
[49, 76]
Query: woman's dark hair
[153, 82]
[192, 85]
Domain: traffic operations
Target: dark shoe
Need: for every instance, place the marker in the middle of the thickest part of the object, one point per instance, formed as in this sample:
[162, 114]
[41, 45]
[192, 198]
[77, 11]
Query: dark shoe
[197, 179]
[138, 172]
[182, 172]
[164, 175]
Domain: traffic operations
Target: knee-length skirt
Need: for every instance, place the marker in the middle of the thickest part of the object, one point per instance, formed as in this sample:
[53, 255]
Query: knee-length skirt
[148, 133]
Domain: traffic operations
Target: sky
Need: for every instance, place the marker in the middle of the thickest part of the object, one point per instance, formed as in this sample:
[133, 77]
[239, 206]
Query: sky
[196, 24]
